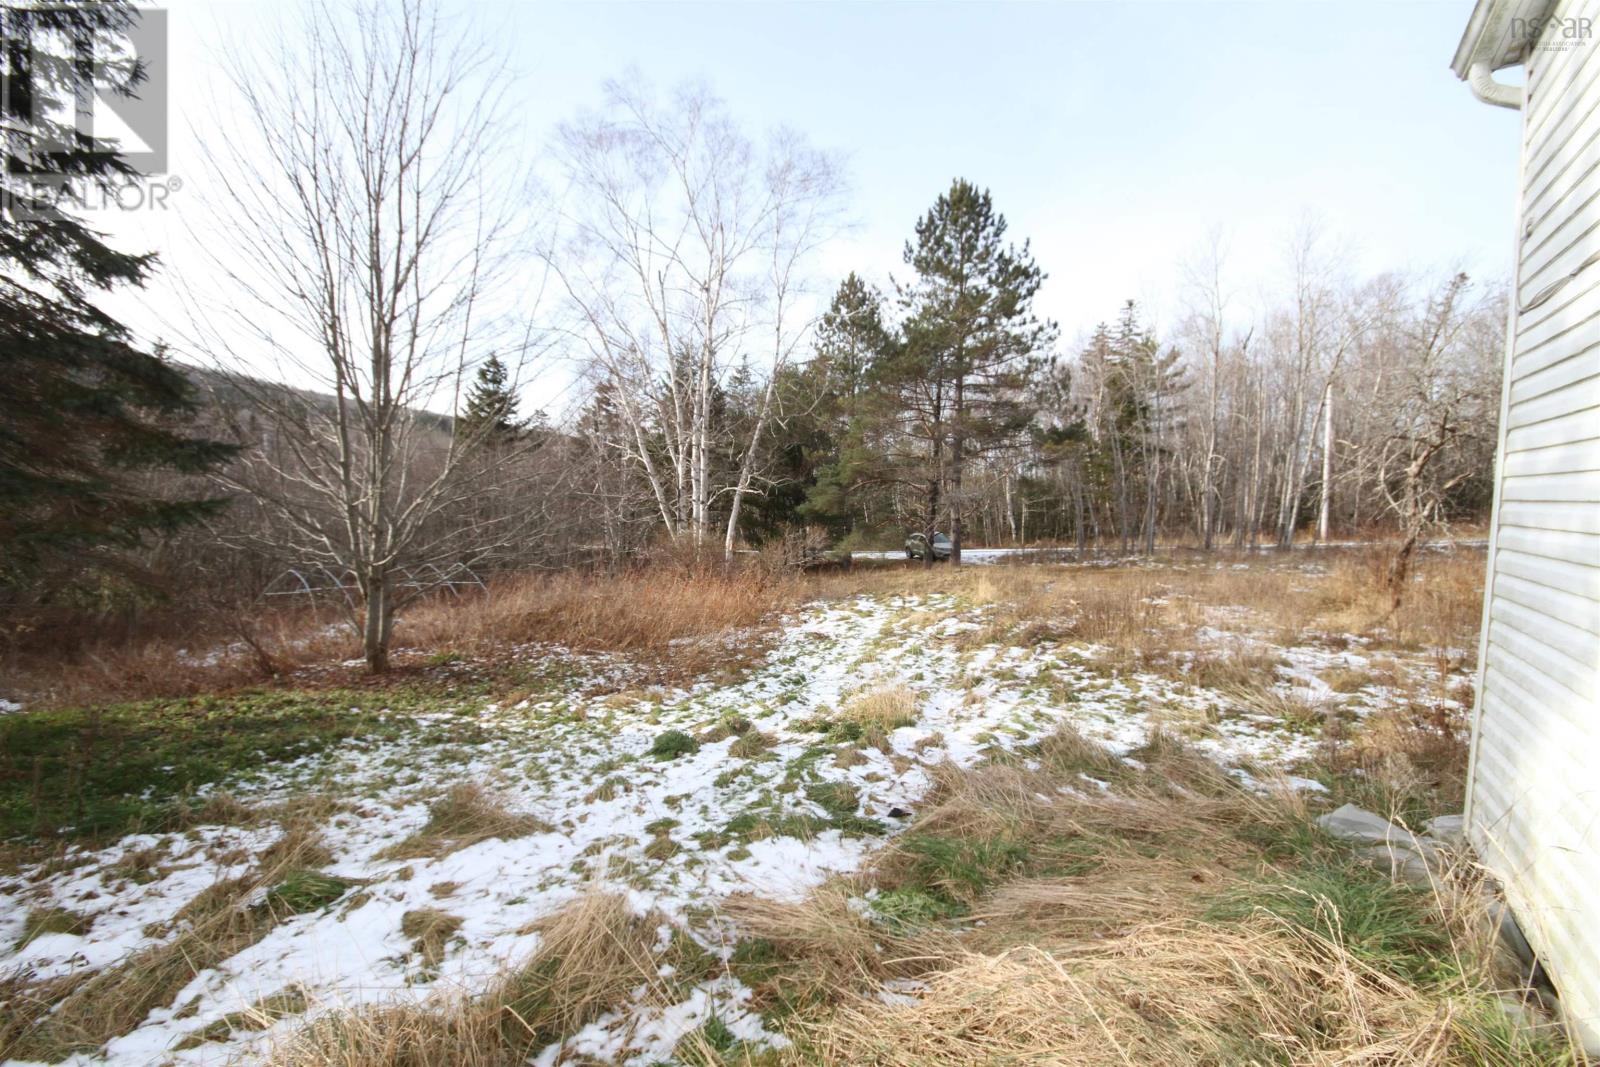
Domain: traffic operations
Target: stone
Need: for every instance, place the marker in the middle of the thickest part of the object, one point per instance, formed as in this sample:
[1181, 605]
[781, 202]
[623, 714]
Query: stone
[1510, 933]
[1448, 829]
[1528, 1014]
[1351, 823]
[1402, 863]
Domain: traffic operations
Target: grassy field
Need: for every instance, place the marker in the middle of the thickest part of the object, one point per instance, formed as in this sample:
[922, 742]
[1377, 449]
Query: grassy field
[1048, 813]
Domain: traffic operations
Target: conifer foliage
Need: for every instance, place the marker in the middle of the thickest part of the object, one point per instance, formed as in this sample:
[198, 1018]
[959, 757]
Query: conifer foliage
[914, 404]
[491, 409]
[86, 415]
[971, 326]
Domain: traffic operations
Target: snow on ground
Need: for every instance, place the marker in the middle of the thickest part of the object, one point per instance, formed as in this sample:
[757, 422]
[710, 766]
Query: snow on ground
[583, 765]
[968, 555]
[1068, 555]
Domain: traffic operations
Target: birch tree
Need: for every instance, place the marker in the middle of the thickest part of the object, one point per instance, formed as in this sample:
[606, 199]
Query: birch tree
[683, 252]
[1207, 330]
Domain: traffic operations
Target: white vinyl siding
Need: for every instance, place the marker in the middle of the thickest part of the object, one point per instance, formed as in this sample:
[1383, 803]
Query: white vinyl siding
[1535, 789]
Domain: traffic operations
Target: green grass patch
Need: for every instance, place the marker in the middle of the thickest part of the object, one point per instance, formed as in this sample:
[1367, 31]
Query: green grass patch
[302, 890]
[909, 908]
[1392, 926]
[755, 961]
[839, 799]
[959, 870]
[112, 770]
[670, 744]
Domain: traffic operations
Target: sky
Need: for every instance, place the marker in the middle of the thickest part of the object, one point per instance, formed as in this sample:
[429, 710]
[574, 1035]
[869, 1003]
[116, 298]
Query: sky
[1113, 136]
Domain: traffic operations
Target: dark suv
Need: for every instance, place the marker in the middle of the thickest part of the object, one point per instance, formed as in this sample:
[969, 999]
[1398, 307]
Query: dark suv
[918, 547]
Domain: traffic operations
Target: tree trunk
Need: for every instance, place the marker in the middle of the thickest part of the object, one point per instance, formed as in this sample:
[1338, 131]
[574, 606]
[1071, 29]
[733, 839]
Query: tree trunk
[1327, 463]
[378, 622]
[957, 462]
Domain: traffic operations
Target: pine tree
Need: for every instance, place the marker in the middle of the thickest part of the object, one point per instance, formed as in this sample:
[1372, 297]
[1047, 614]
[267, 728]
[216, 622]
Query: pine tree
[971, 328]
[491, 409]
[851, 339]
[86, 415]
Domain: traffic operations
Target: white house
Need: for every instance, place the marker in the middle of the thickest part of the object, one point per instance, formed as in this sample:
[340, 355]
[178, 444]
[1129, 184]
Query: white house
[1533, 807]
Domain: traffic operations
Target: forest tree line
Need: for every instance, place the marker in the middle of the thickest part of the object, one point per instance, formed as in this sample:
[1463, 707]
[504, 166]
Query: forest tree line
[724, 396]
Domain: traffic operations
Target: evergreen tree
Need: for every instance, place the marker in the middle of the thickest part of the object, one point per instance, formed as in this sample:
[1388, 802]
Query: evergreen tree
[971, 328]
[851, 339]
[491, 409]
[86, 415]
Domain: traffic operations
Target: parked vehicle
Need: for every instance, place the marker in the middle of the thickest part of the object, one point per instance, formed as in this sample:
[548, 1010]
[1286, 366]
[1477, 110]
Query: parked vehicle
[918, 546]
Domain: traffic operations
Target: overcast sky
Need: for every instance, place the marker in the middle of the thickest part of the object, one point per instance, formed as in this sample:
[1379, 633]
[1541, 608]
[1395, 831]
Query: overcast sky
[1114, 136]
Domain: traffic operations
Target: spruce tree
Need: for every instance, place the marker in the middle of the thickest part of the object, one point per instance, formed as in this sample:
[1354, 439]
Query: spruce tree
[491, 409]
[971, 328]
[851, 339]
[86, 415]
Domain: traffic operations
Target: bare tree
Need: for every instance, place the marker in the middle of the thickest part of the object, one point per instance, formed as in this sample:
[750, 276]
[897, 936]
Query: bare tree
[1441, 396]
[683, 254]
[367, 249]
[1207, 329]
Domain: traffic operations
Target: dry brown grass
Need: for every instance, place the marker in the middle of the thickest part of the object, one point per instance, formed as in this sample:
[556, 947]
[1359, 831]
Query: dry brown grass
[1105, 941]
[824, 944]
[593, 955]
[1279, 705]
[700, 614]
[399, 1035]
[1002, 823]
[58, 1019]
[1241, 665]
[880, 711]
[176, 654]
[266, 1012]
[1144, 617]
[647, 612]
[1135, 889]
[430, 930]
[40, 921]
[1184, 992]
[1405, 761]
[466, 814]
[690, 619]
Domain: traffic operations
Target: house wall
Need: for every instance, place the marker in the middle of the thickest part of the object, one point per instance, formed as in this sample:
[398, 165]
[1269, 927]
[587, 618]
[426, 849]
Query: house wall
[1534, 791]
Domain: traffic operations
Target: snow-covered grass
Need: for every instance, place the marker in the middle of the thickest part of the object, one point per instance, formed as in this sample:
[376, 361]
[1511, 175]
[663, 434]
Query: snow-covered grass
[446, 833]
